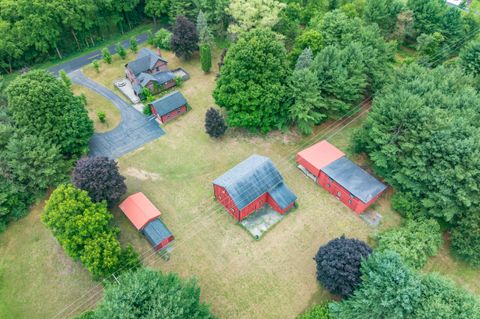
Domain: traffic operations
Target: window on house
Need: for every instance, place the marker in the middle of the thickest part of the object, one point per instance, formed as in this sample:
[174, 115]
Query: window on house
[328, 185]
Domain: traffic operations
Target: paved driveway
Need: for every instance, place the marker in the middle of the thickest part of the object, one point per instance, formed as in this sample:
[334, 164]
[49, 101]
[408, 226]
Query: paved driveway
[134, 130]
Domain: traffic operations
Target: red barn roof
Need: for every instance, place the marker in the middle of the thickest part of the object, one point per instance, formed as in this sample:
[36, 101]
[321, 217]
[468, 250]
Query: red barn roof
[139, 209]
[321, 154]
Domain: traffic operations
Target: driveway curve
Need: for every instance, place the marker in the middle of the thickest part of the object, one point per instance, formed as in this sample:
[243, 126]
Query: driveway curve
[134, 130]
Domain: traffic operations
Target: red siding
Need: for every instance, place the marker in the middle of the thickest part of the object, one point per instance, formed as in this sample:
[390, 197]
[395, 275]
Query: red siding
[224, 198]
[309, 167]
[164, 243]
[173, 114]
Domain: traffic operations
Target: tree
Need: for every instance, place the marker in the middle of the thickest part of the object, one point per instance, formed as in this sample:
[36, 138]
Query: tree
[251, 14]
[341, 78]
[305, 59]
[185, 8]
[214, 123]
[185, 38]
[206, 57]
[384, 13]
[163, 38]
[427, 149]
[430, 48]
[440, 299]
[14, 201]
[33, 162]
[415, 241]
[122, 53]
[152, 294]
[83, 229]
[316, 312]
[40, 103]
[99, 176]
[133, 44]
[470, 58]
[311, 39]
[389, 289]
[306, 102]
[106, 56]
[466, 238]
[251, 86]
[204, 34]
[338, 264]
[96, 66]
[65, 79]
[156, 8]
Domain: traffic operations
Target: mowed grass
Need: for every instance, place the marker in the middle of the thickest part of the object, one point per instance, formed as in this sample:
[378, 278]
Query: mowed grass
[37, 279]
[97, 103]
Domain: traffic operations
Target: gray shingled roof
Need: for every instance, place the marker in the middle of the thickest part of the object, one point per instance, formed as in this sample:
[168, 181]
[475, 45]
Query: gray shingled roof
[145, 60]
[169, 102]
[253, 177]
[357, 181]
[156, 232]
[161, 77]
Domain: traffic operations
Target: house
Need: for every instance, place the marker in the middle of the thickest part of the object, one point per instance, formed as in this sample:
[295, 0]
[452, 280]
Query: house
[145, 217]
[169, 106]
[329, 167]
[250, 185]
[150, 71]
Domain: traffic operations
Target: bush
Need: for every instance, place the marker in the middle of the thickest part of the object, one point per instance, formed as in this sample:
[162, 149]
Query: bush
[466, 239]
[338, 264]
[133, 45]
[121, 51]
[99, 176]
[415, 241]
[96, 66]
[214, 123]
[65, 79]
[102, 117]
[152, 294]
[317, 312]
[106, 56]
[162, 39]
[179, 81]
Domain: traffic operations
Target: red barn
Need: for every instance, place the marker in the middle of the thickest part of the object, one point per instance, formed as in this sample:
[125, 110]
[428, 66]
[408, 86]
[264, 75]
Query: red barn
[250, 185]
[169, 106]
[349, 183]
[144, 216]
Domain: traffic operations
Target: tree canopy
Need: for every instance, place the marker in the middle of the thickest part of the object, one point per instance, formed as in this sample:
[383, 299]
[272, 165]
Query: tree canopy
[251, 86]
[184, 40]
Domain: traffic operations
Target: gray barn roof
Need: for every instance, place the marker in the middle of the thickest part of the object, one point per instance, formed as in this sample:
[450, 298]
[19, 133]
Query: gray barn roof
[169, 102]
[253, 177]
[160, 78]
[156, 232]
[358, 182]
[145, 60]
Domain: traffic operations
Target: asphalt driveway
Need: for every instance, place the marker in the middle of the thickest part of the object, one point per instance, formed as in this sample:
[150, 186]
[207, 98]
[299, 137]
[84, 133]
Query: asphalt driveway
[134, 130]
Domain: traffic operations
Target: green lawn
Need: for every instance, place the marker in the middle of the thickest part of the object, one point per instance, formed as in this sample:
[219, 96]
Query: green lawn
[240, 277]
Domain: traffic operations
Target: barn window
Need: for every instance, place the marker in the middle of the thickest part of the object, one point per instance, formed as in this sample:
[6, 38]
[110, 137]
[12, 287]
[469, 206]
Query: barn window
[232, 209]
[349, 201]
[328, 185]
[339, 194]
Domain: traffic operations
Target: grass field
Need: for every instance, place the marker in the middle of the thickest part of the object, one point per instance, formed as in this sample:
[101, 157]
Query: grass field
[239, 276]
[97, 103]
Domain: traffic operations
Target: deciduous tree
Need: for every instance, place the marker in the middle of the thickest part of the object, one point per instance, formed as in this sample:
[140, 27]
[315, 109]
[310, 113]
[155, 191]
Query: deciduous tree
[122, 53]
[466, 238]
[106, 56]
[384, 13]
[133, 44]
[470, 58]
[184, 40]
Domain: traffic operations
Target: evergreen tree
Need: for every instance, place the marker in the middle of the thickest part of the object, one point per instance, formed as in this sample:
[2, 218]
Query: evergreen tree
[185, 38]
[470, 58]
[214, 123]
[251, 86]
[204, 34]
[384, 13]
[466, 238]
[305, 59]
[206, 57]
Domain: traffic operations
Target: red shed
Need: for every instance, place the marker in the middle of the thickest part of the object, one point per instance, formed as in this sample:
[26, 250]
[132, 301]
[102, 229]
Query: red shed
[250, 185]
[340, 176]
[144, 216]
[169, 106]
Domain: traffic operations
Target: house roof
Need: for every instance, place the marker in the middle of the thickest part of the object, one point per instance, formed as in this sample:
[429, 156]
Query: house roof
[169, 102]
[354, 179]
[139, 210]
[156, 232]
[321, 154]
[160, 78]
[145, 60]
[252, 178]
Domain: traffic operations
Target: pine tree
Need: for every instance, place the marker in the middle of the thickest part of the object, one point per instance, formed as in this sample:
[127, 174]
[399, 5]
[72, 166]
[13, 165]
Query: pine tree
[206, 57]
[214, 123]
[204, 34]
[305, 59]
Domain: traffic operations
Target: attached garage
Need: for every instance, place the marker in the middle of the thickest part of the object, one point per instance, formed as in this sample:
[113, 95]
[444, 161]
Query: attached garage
[145, 217]
[250, 185]
[169, 106]
[344, 179]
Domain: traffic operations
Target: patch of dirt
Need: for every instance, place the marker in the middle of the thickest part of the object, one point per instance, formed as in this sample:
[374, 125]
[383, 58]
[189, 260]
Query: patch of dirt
[141, 174]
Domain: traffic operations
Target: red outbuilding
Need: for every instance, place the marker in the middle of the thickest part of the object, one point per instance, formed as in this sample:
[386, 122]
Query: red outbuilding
[250, 185]
[169, 106]
[145, 217]
[329, 167]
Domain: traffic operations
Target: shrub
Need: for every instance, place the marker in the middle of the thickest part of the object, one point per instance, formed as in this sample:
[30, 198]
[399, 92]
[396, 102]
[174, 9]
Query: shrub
[99, 176]
[466, 239]
[415, 241]
[121, 51]
[96, 66]
[214, 123]
[65, 79]
[317, 312]
[133, 45]
[106, 56]
[179, 81]
[338, 264]
[163, 38]
[102, 117]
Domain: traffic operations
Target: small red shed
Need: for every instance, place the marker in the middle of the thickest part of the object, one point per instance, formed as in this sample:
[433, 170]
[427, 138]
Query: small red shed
[250, 185]
[169, 106]
[144, 216]
[349, 183]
